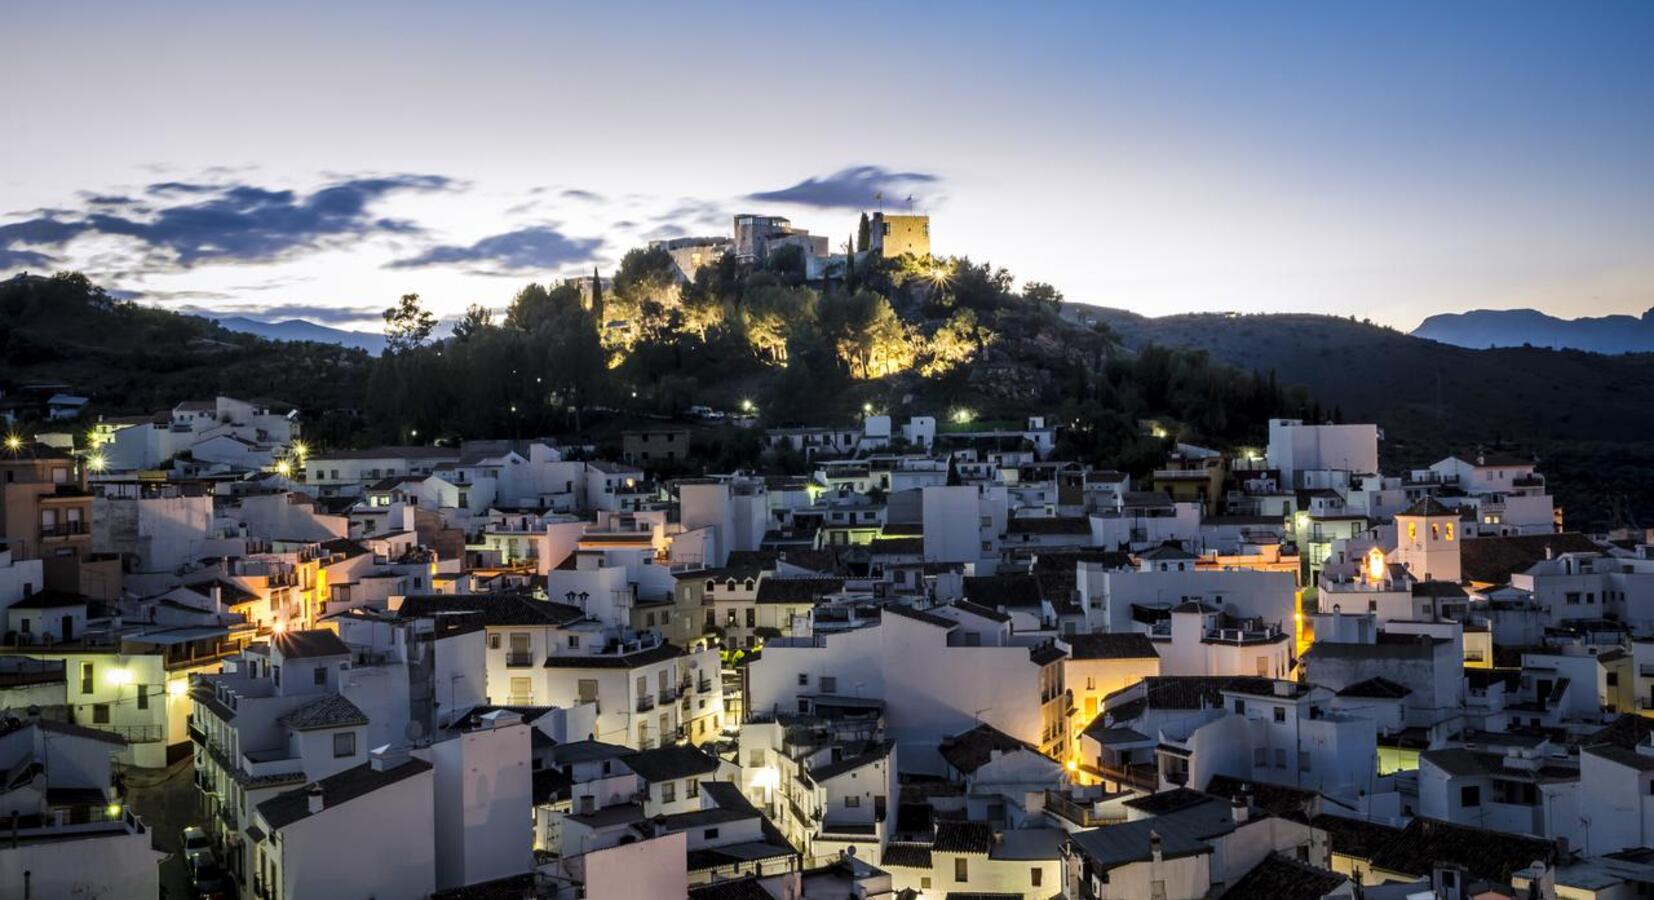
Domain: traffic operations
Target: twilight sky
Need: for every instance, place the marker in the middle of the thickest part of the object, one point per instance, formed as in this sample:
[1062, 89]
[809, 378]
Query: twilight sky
[307, 160]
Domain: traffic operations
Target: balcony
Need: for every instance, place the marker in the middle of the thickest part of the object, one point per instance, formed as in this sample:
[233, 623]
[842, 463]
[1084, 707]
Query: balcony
[668, 695]
[519, 659]
[63, 530]
[646, 703]
[1080, 814]
[704, 686]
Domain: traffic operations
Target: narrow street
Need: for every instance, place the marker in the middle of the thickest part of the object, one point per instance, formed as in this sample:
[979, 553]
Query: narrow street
[167, 801]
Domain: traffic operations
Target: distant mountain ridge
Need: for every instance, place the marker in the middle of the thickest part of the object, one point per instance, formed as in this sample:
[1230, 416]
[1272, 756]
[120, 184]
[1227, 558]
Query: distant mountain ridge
[1483, 328]
[300, 330]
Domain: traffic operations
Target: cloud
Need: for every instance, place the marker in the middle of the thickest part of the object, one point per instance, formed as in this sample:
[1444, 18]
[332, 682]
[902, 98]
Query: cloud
[853, 188]
[536, 247]
[42, 231]
[196, 223]
[578, 194]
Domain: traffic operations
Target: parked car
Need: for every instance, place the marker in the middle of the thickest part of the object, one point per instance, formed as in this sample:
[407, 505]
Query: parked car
[195, 839]
[197, 860]
[212, 883]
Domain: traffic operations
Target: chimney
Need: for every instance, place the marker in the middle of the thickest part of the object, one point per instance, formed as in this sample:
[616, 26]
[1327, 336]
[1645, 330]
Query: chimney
[1154, 847]
[1239, 810]
[313, 797]
[387, 757]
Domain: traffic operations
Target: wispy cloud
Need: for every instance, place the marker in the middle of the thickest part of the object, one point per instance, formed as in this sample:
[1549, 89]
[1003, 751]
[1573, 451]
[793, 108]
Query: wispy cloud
[524, 250]
[852, 188]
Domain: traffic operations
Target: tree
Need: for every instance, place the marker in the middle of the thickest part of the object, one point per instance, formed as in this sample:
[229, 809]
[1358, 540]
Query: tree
[1039, 292]
[597, 297]
[771, 313]
[864, 233]
[536, 304]
[407, 324]
[476, 318]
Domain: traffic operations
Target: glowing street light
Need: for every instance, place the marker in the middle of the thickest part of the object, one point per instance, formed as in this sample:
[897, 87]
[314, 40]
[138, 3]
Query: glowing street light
[14, 443]
[96, 462]
[867, 409]
[963, 416]
[746, 406]
[284, 468]
[300, 450]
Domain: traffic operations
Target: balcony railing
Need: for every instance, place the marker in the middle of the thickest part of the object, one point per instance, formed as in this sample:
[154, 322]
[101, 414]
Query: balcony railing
[63, 529]
[646, 703]
[1080, 814]
[668, 695]
[134, 734]
[519, 659]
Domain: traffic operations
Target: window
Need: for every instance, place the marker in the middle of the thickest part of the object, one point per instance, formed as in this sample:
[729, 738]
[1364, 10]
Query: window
[1260, 757]
[803, 679]
[961, 870]
[1613, 679]
[1280, 757]
[100, 714]
[755, 757]
[1303, 760]
[319, 674]
[852, 802]
[344, 745]
[829, 684]
[752, 617]
[924, 882]
[1034, 876]
[1280, 714]
[668, 791]
[494, 642]
[692, 787]
[588, 690]
[709, 834]
[86, 678]
[1470, 795]
[574, 642]
[1240, 707]
[1412, 531]
[143, 696]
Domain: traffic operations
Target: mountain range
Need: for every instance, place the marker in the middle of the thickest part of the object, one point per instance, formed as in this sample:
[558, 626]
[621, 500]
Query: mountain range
[300, 330]
[1482, 328]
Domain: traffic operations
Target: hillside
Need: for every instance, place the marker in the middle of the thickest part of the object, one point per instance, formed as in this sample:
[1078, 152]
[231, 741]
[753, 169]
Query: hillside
[1529, 327]
[1590, 417]
[134, 359]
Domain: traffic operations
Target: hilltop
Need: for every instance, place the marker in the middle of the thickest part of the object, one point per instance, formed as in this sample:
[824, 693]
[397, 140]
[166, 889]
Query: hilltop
[1529, 327]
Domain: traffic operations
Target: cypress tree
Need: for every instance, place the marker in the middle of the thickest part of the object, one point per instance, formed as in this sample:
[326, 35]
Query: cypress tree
[864, 232]
[597, 298]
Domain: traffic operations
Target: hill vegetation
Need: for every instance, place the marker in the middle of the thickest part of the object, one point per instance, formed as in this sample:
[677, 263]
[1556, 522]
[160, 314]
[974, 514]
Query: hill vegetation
[1588, 417]
[900, 337]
